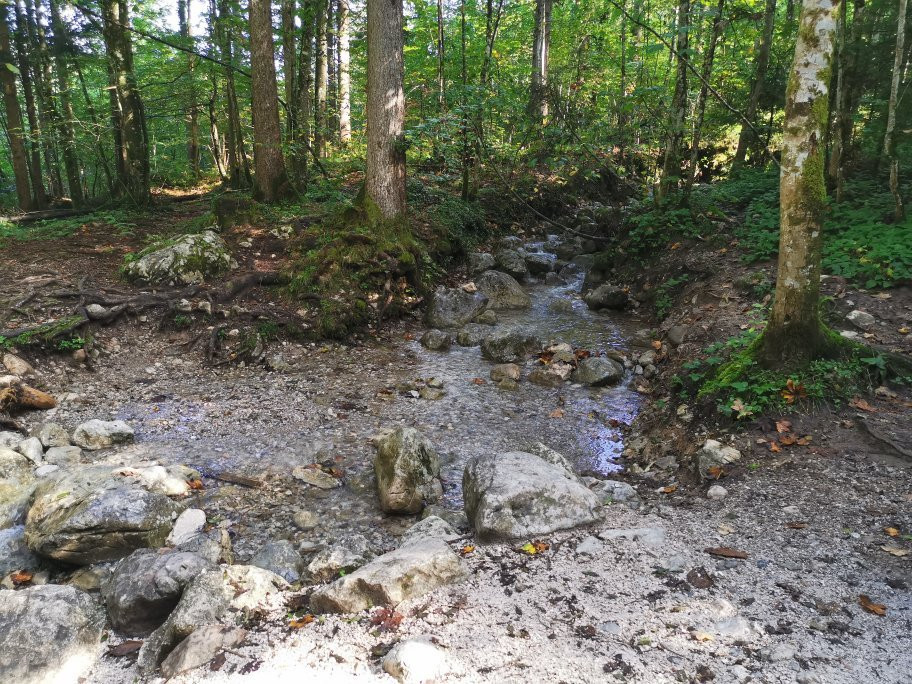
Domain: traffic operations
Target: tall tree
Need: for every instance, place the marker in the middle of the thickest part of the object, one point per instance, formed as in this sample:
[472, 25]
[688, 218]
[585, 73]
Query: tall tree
[25, 70]
[304, 95]
[671, 166]
[794, 335]
[385, 177]
[14, 129]
[192, 110]
[270, 177]
[889, 146]
[289, 65]
[67, 135]
[541, 46]
[441, 59]
[238, 171]
[321, 78]
[747, 137]
[345, 131]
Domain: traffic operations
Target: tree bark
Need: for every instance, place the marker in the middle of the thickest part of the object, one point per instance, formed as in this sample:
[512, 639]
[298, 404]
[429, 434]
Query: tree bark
[304, 95]
[39, 196]
[67, 136]
[794, 335]
[289, 66]
[541, 44]
[47, 111]
[321, 72]
[345, 131]
[270, 177]
[192, 111]
[671, 166]
[841, 103]
[234, 140]
[15, 132]
[747, 137]
[441, 59]
[889, 146]
[385, 177]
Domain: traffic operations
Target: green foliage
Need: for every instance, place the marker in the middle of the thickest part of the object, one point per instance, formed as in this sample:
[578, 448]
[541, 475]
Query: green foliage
[71, 344]
[663, 299]
[461, 224]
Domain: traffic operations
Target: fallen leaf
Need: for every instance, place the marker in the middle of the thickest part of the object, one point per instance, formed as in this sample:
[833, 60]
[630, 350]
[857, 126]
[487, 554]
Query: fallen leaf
[847, 423]
[478, 381]
[891, 531]
[701, 636]
[788, 440]
[904, 330]
[804, 441]
[556, 413]
[875, 608]
[670, 489]
[775, 448]
[793, 391]
[125, 648]
[466, 550]
[726, 552]
[656, 344]
[699, 578]
[216, 663]
[783, 426]
[21, 577]
[896, 551]
[534, 547]
[387, 619]
[301, 621]
[796, 525]
[195, 484]
[715, 472]
[859, 403]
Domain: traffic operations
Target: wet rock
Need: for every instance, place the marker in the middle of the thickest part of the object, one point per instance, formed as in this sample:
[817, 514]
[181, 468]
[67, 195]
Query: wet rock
[606, 296]
[14, 553]
[188, 524]
[32, 449]
[17, 482]
[316, 477]
[146, 586]
[552, 375]
[436, 340]
[408, 572]
[539, 264]
[716, 493]
[91, 578]
[51, 435]
[95, 513]
[517, 494]
[552, 278]
[432, 527]
[676, 335]
[408, 471]
[417, 660]
[507, 384]
[512, 262]
[17, 366]
[453, 307]
[561, 305]
[63, 455]
[597, 371]
[503, 371]
[431, 393]
[329, 563]
[861, 319]
[188, 259]
[479, 262]
[502, 291]
[486, 318]
[509, 346]
[471, 335]
[715, 455]
[102, 434]
[281, 558]
[48, 634]
[201, 647]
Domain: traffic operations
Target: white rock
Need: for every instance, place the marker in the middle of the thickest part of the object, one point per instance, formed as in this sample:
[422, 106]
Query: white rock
[861, 319]
[715, 455]
[17, 366]
[717, 493]
[651, 536]
[31, 448]
[188, 524]
[590, 546]
[10, 440]
[102, 434]
[417, 661]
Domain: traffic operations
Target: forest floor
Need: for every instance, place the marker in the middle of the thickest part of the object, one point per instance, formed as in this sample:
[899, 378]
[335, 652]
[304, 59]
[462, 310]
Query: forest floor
[819, 508]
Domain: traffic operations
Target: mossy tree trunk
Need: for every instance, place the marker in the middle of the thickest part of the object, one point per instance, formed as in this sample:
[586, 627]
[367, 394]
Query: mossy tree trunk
[795, 335]
[889, 148]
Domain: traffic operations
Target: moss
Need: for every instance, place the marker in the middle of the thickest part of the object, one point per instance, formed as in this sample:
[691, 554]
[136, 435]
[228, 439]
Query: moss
[812, 185]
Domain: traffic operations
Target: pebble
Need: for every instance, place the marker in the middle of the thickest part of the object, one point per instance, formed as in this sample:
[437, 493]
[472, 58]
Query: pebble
[716, 493]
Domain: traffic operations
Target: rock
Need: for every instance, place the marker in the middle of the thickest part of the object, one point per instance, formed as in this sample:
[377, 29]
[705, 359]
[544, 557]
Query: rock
[606, 296]
[206, 600]
[48, 634]
[201, 647]
[589, 546]
[102, 434]
[716, 493]
[517, 494]
[63, 455]
[480, 262]
[505, 371]
[408, 572]
[91, 578]
[96, 312]
[305, 520]
[861, 319]
[328, 563]
[188, 524]
[471, 335]
[436, 340]
[408, 471]
[502, 291]
[431, 393]
[507, 384]
[560, 305]
[456, 519]
[281, 558]
[91, 514]
[597, 371]
[188, 259]
[453, 307]
[32, 449]
[780, 653]
[146, 586]
[17, 482]
[51, 435]
[214, 546]
[651, 536]
[170, 481]
[45, 470]
[417, 660]
[10, 440]
[17, 366]
[676, 334]
[316, 477]
[509, 346]
[14, 553]
[539, 264]
[431, 527]
[714, 455]
[551, 456]
[512, 262]
[613, 491]
[486, 318]
[552, 375]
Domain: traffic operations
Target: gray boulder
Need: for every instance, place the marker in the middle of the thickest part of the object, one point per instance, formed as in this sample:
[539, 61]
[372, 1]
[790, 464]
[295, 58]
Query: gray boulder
[597, 371]
[32, 449]
[487, 317]
[328, 563]
[17, 482]
[432, 527]
[201, 647]
[509, 346]
[517, 494]
[417, 660]
[146, 586]
[95, 513]
[453, 307]
[480, 262]
[613, 491]
[14, 552]
[552, 375]
[513, 263]
[187, 260]
[408, 471]
[471, 335]
[102, 434]
[606, 296]
[51, 435]
[861, 319]
[436, 340]
[280, 557]
[10, 440]
[505, 371]
[48, 634]
[408, 572]
[502, 291]
[539, 264]
[62, 455]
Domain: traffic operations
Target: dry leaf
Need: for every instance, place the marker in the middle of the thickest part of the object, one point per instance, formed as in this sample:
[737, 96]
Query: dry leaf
[195, 484]
[125, 648]
[726, 552]
[670, 489]
[896, 551]
[699, 578]
[556, 413]
[715, 472]
[783, 426]
[859, 403]
[775, 448]
[701, 636]
[804, 441]
[21, 577]
[478, 381]
[301, 621]
[875, 608]
[788, 440]
[904, 330]
[534, 547]
[466, 550]
[891, 531]
[656, 344]
[793, 391]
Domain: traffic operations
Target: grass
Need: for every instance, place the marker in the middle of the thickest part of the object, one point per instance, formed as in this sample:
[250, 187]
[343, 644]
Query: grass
[120, 220]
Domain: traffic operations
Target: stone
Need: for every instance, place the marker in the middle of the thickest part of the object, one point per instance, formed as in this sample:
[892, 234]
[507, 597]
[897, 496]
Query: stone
[861, 319]
[613, 491]
[17, 366]
[505, 370]
[146, 586]
[214, 546]
[316, 477]
[91, 578]
[188, 524]
[279, 557]
[589, 546]
[188, 259]
[516, 494]
[560, 305]
[471, 335]
[408, 471]
[417, 660]
[17, 482]
[172, 480]
[431, 393]
[650, 536]
[408, 572]
[63, 455]
[96, 312]
[502, 291]
[676, 335]
[714, 455]
[716, 493]
[512, 262]
[51, 435]
[480, 262]
[10, 440]
[552, 375]
[305, 520]
[606, 296]
[539, 264]
[436, 340]
[201, 647]
[102, 434]
[32, 449]
[597, 371]
[507, 384]
[488, 317]
[456, 519]
[329, 563]
[14, 552]
[91, 514]
[509, 346]
[48, 634]
[431, 527]
[453, 307]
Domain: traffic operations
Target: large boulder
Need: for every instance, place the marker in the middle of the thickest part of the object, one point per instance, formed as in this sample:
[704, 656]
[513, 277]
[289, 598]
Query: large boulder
[329, 563]
[146, 586]
[48, 634]
[93, 514]
[502, 291]
[102, 434]
[17, 482]
[512, 262]
[479, 262]
[453, 307]
[598, 371]
[539, 264]
[410, 571]
[509, 346]
[51, 435]
[436, 340]
[14, 552]
[408, 471]
[201, 647]
[517, 495]
[186, 260]
[281, 557]
[606, 296]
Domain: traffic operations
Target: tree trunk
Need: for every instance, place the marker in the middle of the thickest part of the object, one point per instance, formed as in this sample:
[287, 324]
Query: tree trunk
[270, 178]
[541, 43]
[331, 119]
[93, 117]
[237, 171]
[671, 167]
[889, 147]
[47, 112]
[39, 196]
[841, 113]
[345, 131]
[464, 124]
[441, 61]
[321, 73]
[192, 113]
[385, 177]
[14, 129]
[794, 335]
[289, 66]
[747, 137]
[67, 136]
[305, 98]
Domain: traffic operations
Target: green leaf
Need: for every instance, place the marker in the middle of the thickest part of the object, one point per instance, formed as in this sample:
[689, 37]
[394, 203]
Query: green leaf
[12, 67]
